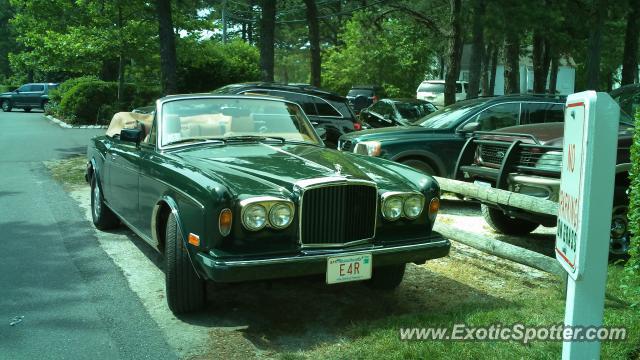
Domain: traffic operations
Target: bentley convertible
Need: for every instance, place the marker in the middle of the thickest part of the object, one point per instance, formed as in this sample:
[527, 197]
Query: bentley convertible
[237, 188]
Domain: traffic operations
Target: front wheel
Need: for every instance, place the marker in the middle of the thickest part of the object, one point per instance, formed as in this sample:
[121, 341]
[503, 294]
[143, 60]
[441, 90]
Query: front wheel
[620, 239]
[103, 217]
[421, 166]
[185, 290]
[505, 224]
[387, 277]
[6, 106]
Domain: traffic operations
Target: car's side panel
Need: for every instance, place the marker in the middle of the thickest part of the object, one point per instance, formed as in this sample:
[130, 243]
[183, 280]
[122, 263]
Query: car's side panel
[123, 162]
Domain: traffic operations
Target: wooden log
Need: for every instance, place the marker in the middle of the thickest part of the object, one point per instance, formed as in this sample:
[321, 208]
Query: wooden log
[498, 196]
[501, 249]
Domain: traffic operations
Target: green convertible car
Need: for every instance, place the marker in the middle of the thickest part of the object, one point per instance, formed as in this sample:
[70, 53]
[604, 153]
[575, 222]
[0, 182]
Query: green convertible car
[237, 188]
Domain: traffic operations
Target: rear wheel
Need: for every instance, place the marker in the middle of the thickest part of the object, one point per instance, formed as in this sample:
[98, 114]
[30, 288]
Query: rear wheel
[185, 290]
[6, 105]
[103, 217]
[505, 224]
[387, 277]
[420, 165]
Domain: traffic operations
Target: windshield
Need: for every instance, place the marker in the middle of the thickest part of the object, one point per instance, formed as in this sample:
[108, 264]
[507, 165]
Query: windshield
[447, 117]
[431, 87]
[628, 98]
[413, 111]
[223, 119]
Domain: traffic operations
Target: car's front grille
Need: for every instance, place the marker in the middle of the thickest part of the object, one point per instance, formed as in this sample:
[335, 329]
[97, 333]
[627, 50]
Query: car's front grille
[335, 215]
[493, 154]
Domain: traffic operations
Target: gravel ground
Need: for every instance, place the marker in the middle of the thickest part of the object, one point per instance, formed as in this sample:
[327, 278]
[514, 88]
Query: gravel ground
[264, 319]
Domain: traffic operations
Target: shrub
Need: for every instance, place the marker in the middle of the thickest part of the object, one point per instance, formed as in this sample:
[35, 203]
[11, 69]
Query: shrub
[634, 198]
[7, 88]
[82, 103]
[57, 94]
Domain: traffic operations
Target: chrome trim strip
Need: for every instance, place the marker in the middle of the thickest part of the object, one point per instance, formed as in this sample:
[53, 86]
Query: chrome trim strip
[374, 250]
[303, 185]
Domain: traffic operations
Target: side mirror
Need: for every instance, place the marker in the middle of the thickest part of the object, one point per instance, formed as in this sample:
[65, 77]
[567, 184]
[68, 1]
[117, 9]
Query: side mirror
[470, 127]
[322, 132]
[131, 135]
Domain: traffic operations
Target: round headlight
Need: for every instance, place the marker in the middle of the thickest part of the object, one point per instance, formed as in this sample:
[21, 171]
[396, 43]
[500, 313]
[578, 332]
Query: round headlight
[254, 217]
[392, 208]
[280, 216]
[413, 206]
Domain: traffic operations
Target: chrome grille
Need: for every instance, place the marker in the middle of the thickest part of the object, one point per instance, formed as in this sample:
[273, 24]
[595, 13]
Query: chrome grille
[338, 214]
[492, 154]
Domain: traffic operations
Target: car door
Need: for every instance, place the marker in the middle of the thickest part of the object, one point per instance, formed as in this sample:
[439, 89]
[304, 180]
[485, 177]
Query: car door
[19, 97]
[123, 167]
[34, 95]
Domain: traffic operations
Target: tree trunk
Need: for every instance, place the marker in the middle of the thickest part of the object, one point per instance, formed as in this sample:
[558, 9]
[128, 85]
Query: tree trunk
[512, 63]
[494, 70]
[267, 39]
[168, 62]
[314, 41]
[630, 57]
[441, 67]
[540, 62]
[121, 61]
[454, 53]
[595, 44]
[477, 49]
[484, 78]
[553, 77]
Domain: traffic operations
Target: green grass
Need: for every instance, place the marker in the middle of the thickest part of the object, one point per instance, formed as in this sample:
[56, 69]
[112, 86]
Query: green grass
[536, 307]
[69, 172]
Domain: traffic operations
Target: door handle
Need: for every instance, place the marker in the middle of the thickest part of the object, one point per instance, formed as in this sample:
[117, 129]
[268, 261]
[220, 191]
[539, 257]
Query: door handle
[314, 123]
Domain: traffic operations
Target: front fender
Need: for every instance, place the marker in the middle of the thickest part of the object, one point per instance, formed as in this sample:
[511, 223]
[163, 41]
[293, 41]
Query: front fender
[432, 158]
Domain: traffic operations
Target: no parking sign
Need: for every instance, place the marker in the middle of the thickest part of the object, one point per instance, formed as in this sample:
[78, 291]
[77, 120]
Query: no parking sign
[584, 211]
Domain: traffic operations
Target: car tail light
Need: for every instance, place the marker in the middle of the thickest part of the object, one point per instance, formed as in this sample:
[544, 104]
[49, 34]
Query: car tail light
[357, 126]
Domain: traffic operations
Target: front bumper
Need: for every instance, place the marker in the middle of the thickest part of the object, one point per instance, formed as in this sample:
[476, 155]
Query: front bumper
[538, 186]
[310, 262]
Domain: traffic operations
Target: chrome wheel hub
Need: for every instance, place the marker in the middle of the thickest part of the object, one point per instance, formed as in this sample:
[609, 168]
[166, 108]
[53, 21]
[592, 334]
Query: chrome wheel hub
[620, 238]
[96, 201]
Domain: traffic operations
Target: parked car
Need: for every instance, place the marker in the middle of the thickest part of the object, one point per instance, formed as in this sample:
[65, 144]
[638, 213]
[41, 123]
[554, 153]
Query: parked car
[432, 144]
[239, 188]
[362, 96]
[27, 97]
[395, 112]
[325, 109]
[528, 160]
[433, 91]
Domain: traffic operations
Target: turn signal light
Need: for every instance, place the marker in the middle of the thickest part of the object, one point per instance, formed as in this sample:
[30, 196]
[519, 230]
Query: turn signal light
[434, 206]
[224, 222]
[194, 239]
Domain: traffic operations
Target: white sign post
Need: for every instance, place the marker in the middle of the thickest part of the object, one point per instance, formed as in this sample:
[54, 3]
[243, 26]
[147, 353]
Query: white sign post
[584, 211]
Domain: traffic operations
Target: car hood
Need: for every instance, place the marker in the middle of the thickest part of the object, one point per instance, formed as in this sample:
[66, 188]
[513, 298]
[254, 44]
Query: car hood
[260, 169]
[392, 133]
[550, 134]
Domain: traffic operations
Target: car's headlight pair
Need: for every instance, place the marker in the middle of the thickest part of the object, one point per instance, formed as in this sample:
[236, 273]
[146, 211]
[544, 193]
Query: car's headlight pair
[551, 160]
[258, 213]
[397, 204]
[371, 148]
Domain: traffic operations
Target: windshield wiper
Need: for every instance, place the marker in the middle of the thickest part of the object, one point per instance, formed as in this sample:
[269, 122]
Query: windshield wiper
[254, 138]
[195, 140]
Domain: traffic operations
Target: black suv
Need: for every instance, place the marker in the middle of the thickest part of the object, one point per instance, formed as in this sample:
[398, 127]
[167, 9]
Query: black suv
[432, 144]
[27, 97]
[362, 96]
[323, 108]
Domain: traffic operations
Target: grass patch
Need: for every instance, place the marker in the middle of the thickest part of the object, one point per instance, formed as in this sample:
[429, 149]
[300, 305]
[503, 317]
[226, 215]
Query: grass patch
[534, 307]
[69, 172]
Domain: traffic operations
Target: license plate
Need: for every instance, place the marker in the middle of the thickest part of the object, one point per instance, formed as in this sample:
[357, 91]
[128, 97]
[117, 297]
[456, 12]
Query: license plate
[482, 183]
[349, 268]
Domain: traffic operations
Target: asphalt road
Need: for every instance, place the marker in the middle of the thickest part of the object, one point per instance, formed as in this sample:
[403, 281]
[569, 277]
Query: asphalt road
[73, 302]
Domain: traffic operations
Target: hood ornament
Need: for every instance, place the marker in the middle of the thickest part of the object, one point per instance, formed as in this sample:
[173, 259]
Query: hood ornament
[338, 168]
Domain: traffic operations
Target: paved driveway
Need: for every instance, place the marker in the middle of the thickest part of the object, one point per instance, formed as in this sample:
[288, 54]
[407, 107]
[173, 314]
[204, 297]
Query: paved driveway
[74, 303]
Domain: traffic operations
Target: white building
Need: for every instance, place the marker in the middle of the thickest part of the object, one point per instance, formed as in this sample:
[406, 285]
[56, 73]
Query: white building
[565, 83]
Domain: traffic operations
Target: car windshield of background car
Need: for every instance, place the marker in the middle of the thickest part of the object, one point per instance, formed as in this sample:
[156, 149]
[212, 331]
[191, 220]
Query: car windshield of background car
[431, 87]
[220, 118]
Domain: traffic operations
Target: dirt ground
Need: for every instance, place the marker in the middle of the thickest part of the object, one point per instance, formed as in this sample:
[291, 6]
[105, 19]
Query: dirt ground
[264, 319]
